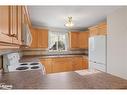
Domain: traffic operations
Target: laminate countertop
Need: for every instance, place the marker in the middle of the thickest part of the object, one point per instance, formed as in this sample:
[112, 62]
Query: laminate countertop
[37, 57]
[65, 80]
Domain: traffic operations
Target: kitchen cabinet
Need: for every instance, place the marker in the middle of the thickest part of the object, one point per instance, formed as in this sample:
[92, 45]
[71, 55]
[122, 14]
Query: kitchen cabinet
[39, 38]
[80, 63]
[47, 62]
[61, 65]
[83, 40]
[19, 25]
[64, 64]
[34, 38]
[79, 40]
[15, 24]
[100, 29]
[73, 39]
[42, 38]
[10, 26]
[4, 25]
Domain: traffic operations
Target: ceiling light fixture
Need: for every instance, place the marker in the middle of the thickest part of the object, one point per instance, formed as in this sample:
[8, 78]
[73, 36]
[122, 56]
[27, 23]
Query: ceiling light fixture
[69, 23]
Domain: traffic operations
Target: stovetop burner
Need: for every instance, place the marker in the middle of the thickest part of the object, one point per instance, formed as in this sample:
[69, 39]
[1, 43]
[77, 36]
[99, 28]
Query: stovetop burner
[24, 64]
[35, 67]
[22, 68]
[34, 63]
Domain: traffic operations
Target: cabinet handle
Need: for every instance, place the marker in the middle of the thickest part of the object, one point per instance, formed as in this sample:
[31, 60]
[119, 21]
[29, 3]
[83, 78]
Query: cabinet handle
[13, 35]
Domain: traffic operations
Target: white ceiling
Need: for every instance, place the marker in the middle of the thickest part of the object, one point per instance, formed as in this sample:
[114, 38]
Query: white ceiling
[56, 16]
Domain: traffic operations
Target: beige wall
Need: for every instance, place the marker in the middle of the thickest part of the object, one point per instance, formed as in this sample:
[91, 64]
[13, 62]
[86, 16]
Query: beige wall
[117, 43]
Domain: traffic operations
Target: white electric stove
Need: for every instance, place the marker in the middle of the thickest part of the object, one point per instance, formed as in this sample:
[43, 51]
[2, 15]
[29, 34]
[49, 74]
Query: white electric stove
[11, 64]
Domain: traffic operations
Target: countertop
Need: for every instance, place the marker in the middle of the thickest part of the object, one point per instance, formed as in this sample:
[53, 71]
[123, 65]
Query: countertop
[33, 57]
[65, 80]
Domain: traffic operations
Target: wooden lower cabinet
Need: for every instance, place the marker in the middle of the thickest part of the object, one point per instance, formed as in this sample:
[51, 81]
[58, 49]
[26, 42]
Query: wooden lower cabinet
[61, 65]
[64, 64]
[47, 62]
[80, 63]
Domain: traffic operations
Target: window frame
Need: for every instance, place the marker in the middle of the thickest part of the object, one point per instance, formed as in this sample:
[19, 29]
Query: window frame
[58, 37]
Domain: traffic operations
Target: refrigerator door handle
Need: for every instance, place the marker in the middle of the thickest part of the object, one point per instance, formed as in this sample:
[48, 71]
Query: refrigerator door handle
[93, 61]
[99, 63]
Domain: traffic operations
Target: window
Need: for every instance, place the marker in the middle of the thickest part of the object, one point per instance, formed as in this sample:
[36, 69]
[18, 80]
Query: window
[58, 41]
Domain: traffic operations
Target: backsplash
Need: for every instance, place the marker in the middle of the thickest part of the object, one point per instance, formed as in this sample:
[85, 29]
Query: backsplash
[6, 51]
[47, 52]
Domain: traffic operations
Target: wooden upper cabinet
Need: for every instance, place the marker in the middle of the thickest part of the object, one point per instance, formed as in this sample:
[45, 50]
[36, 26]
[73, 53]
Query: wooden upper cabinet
[42, 38]
[5, 24]
[10, 25]
[19, 25]
[39, 38]
[15, 23]
[73, 39]
[93, 31]
[79, 39]
[34, 38]
[83, 40]
[100, 29]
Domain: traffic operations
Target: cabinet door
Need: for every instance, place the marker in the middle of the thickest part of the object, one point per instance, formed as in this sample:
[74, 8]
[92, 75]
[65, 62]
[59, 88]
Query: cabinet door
[69, 64]
[39, 38]
[80, 63]
[77, 63]
[58, 65]
[73, 39]
[83, 40]
[4, 24]
[85, 62]
[34, 38]
[19, 23]
[14, 24]
[47, 64]
[42, 38]
[102, 27]
[93, 31]
[62, 65]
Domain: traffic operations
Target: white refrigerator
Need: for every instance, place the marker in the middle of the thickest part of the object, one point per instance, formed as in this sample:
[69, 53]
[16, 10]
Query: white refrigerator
[97, 53]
